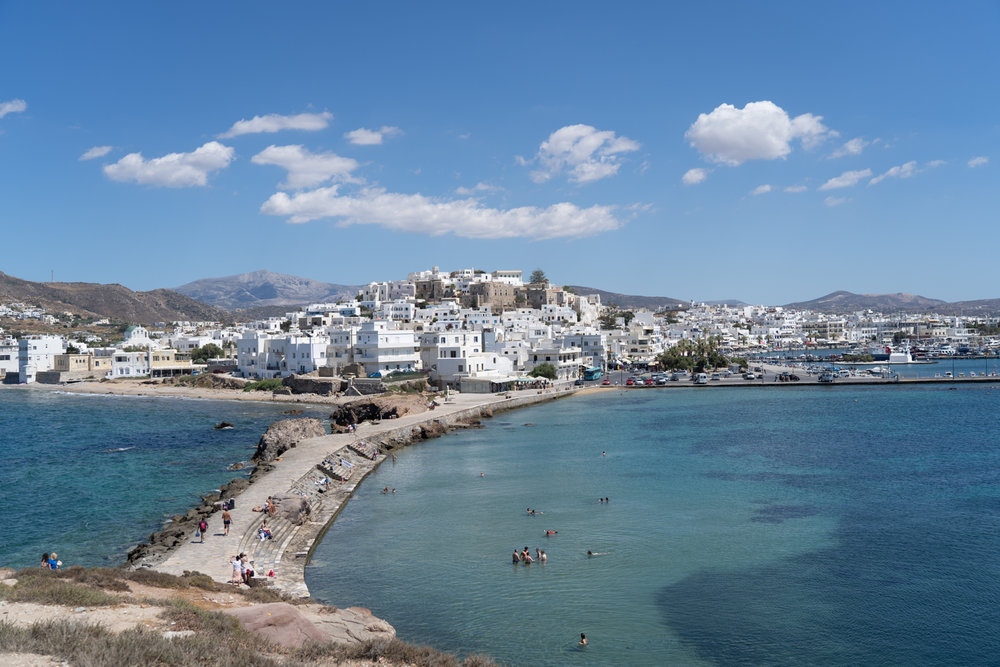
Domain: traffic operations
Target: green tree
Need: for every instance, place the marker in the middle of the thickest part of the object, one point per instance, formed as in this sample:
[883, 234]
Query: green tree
[72, 349]
[286, 326]
[538, 277]
[545, 370]
[608, 321]
[628, 316]
[201, 355]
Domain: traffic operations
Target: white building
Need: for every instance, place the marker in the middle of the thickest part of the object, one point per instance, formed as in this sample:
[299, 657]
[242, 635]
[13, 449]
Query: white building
[36, 354]
[304, 354]
[383, 347]
[566, 360]
[8, 357]
[130, 364]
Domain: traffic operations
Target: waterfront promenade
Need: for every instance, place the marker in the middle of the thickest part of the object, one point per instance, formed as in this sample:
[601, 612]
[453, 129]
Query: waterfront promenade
[288, 552]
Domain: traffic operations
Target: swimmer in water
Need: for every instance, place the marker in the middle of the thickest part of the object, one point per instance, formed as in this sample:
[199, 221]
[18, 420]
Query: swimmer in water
[550, 532]
[583, 639]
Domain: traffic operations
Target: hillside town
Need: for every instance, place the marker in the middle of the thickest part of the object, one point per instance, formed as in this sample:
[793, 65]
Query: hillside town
[467, 330]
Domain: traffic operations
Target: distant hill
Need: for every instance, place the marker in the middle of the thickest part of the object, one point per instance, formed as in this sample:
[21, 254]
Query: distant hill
[264, 288]
[112, 301]
[979, 307]
[844, 302]
[630, 300]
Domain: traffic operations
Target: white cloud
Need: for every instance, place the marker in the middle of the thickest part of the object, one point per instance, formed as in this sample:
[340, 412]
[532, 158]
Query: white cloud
[834, 201]
[423, 215]
[901, 171]
[978, 161]
[586, 153]
[758, 131]
[479, 187]
[274, 123]
[694, 176]
[14, 106]
[846, 180]
[936, 163]
[174, 170]
[796, 188]
[96, 152]
[366, 137]
[761, 189]
[306, 169]
[853, 147]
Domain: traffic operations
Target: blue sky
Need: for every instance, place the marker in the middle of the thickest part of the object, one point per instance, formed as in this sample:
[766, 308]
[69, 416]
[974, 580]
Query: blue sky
[768, 151]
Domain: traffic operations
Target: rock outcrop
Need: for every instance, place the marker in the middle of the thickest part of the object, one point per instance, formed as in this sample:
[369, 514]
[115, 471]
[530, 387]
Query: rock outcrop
[292, 626]
[376, 409]
[285, 434]
[350, 625]
[279, 622]
[292, 508]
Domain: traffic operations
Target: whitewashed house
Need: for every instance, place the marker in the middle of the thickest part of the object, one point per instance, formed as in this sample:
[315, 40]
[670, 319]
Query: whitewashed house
[35, 354]
[383, 347]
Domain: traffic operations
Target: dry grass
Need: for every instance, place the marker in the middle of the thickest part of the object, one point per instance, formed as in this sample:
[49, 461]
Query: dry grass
[392, 651]
[50, 590]
[93, 646]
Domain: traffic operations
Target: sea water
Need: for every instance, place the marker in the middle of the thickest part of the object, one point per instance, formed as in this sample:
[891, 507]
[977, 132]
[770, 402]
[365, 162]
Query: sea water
[781, 525]
[91, 476]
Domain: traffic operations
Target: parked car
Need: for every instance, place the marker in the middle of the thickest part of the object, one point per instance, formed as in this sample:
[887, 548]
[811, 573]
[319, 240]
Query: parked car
[749, 376]
[606, 382]
[649, 381]
[630, 382]
[579, 383]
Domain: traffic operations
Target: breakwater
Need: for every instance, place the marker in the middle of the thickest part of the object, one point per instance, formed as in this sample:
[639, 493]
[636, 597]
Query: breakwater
[296, 474]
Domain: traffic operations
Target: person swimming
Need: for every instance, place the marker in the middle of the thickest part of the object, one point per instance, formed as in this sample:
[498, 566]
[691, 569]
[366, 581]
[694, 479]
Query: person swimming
[550, 532]
[583, 640]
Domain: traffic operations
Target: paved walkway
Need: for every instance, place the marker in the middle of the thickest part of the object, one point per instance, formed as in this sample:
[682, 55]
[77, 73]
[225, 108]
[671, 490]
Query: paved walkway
[213, 556]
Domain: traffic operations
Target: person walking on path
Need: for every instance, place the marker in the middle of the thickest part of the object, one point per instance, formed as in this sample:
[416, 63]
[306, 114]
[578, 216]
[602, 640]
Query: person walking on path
[227, 519]
[203, 528]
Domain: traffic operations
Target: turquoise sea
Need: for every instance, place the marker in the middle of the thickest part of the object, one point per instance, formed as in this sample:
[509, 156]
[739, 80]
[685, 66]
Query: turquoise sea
[779, 526]
[91, 476]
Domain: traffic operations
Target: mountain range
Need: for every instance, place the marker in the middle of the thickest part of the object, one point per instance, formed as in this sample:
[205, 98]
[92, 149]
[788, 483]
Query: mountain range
[265, 288]
[94, 300]
[845, 302]
[261, 294]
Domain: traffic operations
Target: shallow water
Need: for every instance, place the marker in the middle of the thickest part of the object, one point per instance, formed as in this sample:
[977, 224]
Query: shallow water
[91, 476]
[830, 525]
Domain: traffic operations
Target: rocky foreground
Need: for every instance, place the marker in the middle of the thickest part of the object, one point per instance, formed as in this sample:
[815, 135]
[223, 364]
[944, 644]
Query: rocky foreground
[116, 617]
